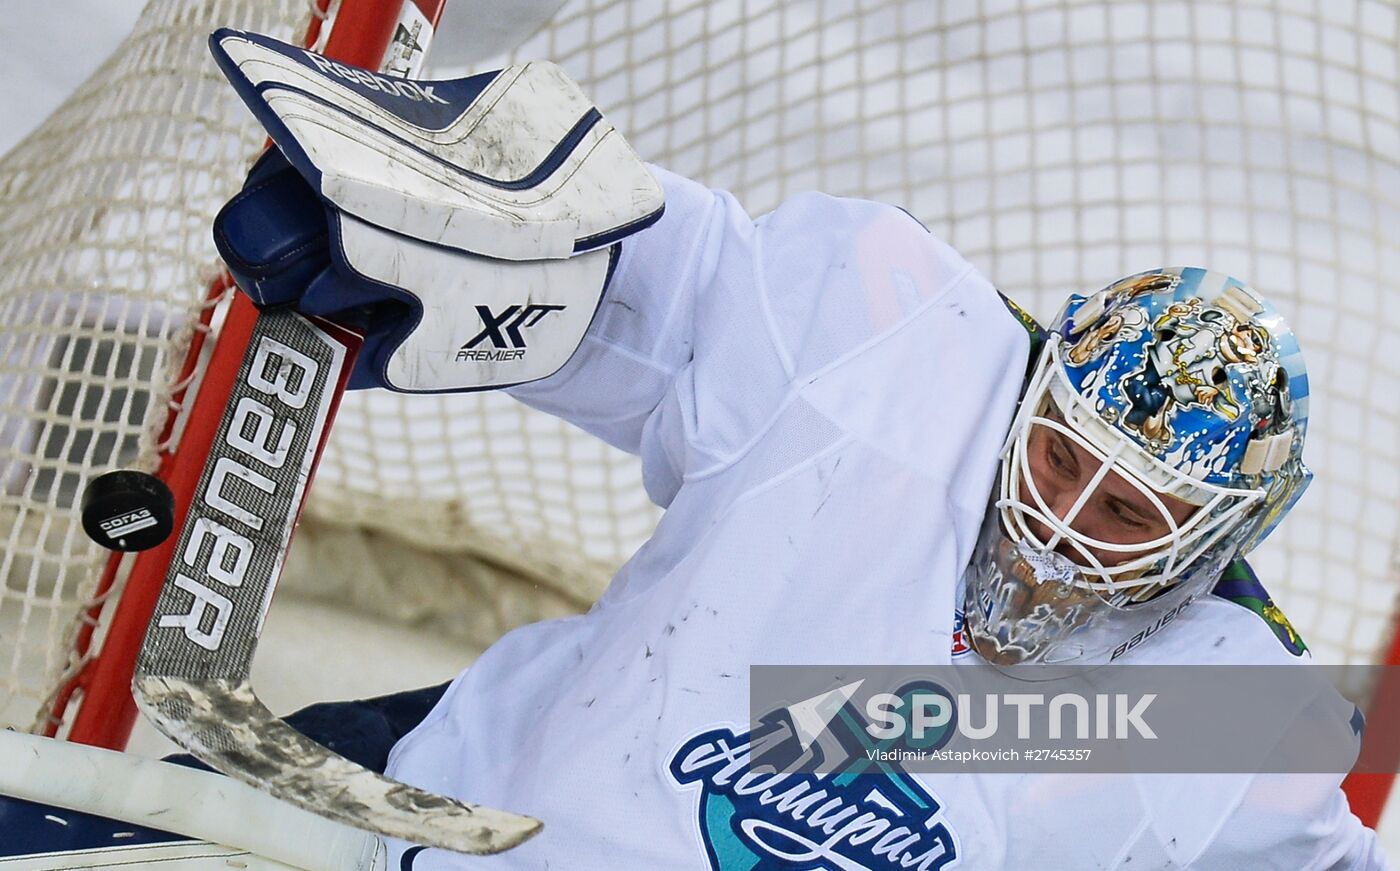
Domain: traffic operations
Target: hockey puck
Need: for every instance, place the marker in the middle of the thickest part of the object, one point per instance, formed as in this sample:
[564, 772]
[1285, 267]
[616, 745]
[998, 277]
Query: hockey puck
[127, 510]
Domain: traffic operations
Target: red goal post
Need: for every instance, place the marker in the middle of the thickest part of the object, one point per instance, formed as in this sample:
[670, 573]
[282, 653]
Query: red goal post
[354, 31]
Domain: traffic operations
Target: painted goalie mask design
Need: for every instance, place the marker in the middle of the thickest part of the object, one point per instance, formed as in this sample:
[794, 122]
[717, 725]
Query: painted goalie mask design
[1179, 389]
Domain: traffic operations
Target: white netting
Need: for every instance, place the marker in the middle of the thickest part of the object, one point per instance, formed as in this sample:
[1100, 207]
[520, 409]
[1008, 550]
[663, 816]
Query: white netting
[1057, 144]
[1060, 145]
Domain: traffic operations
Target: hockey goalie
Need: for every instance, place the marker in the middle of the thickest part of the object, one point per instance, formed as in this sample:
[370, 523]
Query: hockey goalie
[865, 454]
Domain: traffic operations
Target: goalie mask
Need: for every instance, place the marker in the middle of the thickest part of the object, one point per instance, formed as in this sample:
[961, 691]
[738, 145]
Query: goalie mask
[1159, 438]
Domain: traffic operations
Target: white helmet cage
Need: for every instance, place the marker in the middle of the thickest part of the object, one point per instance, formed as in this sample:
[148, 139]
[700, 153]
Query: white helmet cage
[1051, 402]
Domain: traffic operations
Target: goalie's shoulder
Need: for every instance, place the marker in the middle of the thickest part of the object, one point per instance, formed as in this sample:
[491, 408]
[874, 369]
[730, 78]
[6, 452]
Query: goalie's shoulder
[830, 220]
[1235, 623]
[884, 257]
[1240, 586]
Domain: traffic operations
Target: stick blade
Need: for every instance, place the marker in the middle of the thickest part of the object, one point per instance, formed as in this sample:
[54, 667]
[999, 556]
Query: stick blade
[223, 723]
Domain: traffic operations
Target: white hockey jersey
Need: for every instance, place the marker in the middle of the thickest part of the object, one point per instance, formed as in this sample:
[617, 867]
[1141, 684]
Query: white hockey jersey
[818, 398]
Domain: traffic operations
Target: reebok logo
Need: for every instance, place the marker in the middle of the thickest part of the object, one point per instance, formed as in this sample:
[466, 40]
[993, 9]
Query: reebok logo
[394, 88]
[504, 332]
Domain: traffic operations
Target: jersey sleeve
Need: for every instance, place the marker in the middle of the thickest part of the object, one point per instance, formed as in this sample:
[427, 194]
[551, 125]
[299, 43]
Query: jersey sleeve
[711, 317]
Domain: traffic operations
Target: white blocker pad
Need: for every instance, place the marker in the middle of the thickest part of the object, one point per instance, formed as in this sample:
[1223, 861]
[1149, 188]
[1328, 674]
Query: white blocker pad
[484, 323]
[516, 164]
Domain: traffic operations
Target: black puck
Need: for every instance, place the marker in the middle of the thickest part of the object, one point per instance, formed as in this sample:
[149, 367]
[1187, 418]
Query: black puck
[127, 510]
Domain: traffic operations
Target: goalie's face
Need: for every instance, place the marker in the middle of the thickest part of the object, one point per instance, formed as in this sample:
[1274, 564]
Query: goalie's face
[1087, 498]
[1092, 508]
[1079, 549]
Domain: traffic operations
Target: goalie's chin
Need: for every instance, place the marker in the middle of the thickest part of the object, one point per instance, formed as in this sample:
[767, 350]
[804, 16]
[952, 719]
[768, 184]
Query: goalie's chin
[1023, 605]
[1018, 612]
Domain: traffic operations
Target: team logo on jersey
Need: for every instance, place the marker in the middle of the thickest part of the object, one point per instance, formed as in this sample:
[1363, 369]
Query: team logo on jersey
[869, 815]
[960, 642]
[504, 331]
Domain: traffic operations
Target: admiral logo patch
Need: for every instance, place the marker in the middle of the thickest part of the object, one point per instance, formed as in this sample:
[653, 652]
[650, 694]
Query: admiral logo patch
[872, 815]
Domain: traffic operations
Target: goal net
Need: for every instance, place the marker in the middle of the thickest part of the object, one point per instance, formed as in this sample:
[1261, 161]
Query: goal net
[1058, 145]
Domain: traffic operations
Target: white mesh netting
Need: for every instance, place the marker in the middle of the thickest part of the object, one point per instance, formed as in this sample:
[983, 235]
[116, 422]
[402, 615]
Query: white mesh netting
[1057, 144]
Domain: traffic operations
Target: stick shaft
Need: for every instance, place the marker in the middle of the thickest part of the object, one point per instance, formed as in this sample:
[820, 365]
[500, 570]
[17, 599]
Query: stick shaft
[108, 712]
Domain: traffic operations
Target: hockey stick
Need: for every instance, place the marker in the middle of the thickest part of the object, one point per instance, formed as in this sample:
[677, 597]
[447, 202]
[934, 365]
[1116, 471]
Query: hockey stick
[185, 801]
[191, 675]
